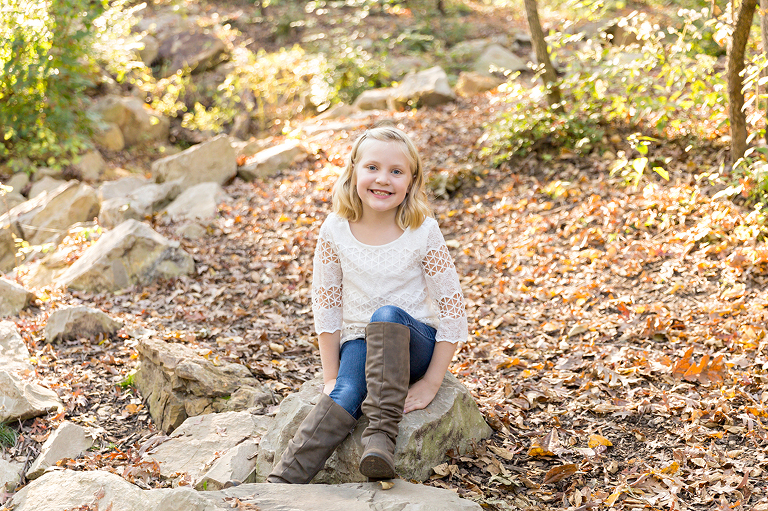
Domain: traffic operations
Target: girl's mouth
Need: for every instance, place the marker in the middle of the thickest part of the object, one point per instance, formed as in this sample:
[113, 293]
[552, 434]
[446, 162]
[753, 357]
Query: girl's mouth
[381, 193]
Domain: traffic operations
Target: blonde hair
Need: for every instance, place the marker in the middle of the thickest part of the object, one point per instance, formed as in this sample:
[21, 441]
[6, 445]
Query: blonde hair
[413, 210]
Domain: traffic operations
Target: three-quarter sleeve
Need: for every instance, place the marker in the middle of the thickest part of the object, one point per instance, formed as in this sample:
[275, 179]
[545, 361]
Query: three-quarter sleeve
[326, 284]
[445, 289]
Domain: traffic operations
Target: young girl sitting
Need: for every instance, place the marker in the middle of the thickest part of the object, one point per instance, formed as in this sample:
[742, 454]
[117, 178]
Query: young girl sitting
[387, 304]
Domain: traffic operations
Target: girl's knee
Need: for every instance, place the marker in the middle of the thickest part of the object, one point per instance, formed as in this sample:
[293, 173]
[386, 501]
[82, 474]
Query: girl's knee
[388, 314]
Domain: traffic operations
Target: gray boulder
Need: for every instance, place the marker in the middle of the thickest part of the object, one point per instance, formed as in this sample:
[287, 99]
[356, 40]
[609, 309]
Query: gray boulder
[121, 187]
[425, 88]
[178, 383]
[198, 202]
[79, 321]
[214, 160]
[194, 50]
[452, 420]
[375, 99]
[10, 475]
[496, 60]
[44, 184]
[13, 298]
[68, 441]
[117, 210]
[270, 162]
[62, 490]
[130, 254]
[212, 449]
[8, 257]
[23, 400]
[137, 122]
[48, 216]
[14, 355]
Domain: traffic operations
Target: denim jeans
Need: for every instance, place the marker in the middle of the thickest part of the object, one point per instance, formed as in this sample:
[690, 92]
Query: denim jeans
[350, 389]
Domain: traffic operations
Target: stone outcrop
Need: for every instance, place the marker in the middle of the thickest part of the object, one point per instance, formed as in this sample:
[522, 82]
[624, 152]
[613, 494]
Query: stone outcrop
[130, 254]
[14, 355]
[68, 441]
[8, 258]
[451, 421]
[48, 216]
[67, 490]
[212, 161]
[13, 298]
[10, 475]
[178, 383]
[269, 162]
[212, 449]
[425, 88]
[194, 50]
[137, 122]
[497, 60]
[78, 322]
[198, 202]
[20, 400]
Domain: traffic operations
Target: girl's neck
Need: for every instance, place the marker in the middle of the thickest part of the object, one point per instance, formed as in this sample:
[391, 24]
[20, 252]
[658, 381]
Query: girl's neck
[374, 229]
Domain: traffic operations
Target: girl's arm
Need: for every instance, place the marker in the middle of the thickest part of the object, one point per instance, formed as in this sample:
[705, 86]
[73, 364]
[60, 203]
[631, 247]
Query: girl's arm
[329, 358]
[424, 391]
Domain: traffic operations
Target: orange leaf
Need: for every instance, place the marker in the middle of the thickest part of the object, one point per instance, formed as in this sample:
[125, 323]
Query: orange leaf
[683, 365]
[715, 372]
[595, 440]
[671, 468]
[693, 372]
[559, 473]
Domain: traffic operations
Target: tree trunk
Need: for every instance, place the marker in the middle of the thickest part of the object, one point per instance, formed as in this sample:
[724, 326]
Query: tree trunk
[542, 55]
[736, 81]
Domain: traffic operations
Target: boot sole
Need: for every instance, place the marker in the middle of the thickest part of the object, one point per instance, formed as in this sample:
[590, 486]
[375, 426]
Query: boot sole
[376, 467]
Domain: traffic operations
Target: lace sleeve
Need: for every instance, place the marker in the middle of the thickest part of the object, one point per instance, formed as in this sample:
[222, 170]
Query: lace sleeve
[326, 285]
[443, 283]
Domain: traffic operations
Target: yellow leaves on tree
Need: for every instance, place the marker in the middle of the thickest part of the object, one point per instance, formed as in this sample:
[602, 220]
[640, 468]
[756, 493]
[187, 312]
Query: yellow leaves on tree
[707, 370]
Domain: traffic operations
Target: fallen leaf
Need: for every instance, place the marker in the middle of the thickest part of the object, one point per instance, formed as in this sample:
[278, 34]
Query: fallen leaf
[386, 485]
[595, 440]
[557, 474]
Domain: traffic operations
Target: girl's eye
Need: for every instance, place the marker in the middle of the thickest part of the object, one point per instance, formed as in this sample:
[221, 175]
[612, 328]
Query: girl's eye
[397, 171]
[371, 167]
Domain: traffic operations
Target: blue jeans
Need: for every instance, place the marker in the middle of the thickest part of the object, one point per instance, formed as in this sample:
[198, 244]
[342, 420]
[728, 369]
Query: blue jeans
[350, 389]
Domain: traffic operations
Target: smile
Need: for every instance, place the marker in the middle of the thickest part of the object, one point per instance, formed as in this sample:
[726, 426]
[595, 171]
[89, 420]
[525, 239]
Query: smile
[381, 193]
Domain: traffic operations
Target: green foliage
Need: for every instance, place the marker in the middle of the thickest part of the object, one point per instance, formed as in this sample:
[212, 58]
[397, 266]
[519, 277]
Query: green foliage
[48, 52]
[129, 381]
[664, 87]
[350, 70]
[633, 170]
[8, 435]
[45, 68]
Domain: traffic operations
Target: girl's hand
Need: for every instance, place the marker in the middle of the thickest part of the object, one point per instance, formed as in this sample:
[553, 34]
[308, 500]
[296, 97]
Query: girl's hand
[420, 395]
[328, 387]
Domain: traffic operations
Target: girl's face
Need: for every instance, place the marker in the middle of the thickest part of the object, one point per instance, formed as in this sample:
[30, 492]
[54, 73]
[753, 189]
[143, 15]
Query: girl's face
[383, 174]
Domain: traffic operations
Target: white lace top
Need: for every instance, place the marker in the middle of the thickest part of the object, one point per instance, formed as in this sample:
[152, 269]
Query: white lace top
[352, 280]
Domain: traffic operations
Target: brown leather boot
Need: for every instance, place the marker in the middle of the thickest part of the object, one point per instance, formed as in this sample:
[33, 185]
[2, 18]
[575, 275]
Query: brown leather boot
[387, 372]
[326, 426]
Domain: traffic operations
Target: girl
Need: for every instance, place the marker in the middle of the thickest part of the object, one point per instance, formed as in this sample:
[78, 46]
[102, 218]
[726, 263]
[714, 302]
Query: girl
[387, 304]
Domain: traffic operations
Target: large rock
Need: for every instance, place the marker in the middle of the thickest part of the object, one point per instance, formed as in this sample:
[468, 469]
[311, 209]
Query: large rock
[269, 162]
[198, 202]
[375, 99]
[194, 50]
[425, 88]
[8, 258]
[48, 216]
[452, 420]
[212, 449]
[79, 321]
[178, 383]
[214, 160]
[44, 184]
[67, 490]
[131, 254]
[14, 355]
[498, 61]
[13, 298]
[121, 187]
[137, 122]
[68, 441]
[471, 83]
[20, 400]
[10, 475]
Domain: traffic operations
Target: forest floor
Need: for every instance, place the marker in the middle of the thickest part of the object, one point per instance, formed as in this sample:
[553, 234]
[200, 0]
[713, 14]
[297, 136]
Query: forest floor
[617, 334]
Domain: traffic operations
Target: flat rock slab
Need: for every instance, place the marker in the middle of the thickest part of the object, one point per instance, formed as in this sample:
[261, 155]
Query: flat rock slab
[212, 449]
[65, 490]
[20, 400]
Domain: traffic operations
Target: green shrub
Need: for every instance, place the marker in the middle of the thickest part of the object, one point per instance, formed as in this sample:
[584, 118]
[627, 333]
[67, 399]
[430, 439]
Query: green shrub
[664, 88]
[8, 435]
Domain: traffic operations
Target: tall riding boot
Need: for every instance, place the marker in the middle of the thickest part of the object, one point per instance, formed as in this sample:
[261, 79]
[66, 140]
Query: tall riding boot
[326, 426]
[387, 372]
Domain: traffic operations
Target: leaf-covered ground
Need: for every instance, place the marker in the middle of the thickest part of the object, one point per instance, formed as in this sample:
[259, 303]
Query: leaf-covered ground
[617, 340]
[618, 335]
